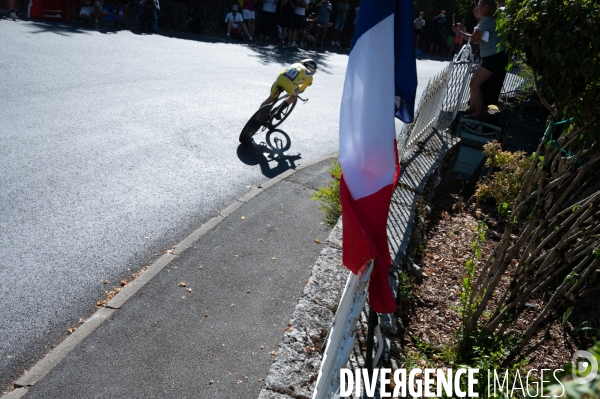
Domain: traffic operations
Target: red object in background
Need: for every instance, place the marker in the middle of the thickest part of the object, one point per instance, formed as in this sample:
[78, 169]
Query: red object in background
[48, 9]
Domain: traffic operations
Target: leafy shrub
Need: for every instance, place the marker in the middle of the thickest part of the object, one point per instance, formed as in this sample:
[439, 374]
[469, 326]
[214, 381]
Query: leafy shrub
[506, 181]
[329, 196]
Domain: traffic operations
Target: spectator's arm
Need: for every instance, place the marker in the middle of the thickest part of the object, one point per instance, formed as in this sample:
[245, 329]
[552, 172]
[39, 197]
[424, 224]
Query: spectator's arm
[475, 37]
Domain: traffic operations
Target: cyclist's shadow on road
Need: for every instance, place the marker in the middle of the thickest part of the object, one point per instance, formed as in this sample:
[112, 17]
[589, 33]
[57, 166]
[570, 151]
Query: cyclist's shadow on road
[269, 153]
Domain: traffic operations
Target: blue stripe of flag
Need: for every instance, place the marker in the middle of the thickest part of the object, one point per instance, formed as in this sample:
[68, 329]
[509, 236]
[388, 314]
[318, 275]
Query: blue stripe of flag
[373, 12]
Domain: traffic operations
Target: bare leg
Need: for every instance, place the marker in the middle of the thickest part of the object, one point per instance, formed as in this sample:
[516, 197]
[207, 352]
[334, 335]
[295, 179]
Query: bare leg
[478, 79]
[228, 27]
[246, 30]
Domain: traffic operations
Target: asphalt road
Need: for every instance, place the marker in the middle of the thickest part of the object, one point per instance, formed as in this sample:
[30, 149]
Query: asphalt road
[114, 146]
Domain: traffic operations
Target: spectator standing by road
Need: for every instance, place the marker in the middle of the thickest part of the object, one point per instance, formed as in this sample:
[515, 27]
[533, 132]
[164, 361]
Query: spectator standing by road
[148, 15]
[286, 21]
[439, 27]
[300, 7]
[249, 15]
[340, 20]
[235, 23]
[120, 18]
[179, 13]
[269, 17]
[323, 10]
[419, 23]
[457, 42]
[493, 58]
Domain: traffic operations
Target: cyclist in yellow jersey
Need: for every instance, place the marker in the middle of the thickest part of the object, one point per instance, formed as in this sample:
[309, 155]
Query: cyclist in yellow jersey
[294, 80]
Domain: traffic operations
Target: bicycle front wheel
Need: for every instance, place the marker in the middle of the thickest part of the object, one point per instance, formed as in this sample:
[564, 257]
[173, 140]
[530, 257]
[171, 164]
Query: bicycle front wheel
[254, 123]
[281, 110]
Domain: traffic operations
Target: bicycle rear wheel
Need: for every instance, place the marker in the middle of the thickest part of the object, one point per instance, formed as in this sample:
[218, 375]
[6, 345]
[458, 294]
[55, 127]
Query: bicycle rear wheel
[254, 123]
[281, 110]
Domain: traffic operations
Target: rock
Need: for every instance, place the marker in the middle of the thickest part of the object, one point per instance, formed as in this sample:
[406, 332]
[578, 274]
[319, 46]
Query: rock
[415, 270]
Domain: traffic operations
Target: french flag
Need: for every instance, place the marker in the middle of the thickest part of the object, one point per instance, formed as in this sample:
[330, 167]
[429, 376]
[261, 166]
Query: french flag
[380, 84]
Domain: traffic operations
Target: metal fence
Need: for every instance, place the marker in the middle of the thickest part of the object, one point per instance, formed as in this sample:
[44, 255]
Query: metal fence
[441, 99]
[444, 95]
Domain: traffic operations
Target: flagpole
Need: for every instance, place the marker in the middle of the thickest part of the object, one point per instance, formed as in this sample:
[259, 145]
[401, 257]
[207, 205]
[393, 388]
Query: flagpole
[372, 324]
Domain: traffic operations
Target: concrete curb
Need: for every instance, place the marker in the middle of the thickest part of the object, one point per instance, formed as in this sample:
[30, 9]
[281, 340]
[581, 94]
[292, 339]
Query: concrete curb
[52, 359]
[43, 367]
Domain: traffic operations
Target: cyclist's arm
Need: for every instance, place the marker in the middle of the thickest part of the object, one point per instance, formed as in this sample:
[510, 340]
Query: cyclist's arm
[306, 83]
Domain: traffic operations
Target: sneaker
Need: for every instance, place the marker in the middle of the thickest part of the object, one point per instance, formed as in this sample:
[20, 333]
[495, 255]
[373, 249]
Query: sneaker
[293, 44]
[301, 44]
[332, 43]
[13, 15]
[337, 43]
[250, 38]
[96, 23]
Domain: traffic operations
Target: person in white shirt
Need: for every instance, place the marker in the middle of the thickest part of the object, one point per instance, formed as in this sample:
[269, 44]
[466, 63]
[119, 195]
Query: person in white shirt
[269, 17]
[235, 23]
[419, 24]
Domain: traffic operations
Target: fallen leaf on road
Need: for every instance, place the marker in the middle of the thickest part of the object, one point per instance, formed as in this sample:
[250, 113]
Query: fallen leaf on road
[211, 382]
[200, 267]
[183, 297]
[106, 282]
[317, 241]
[189, 290]
[243, 218]
[273, 353]
[262, 347]
[272, 258]
[233, 305]
[205, 314]
[248, 291]
[182, 284]
[124, 282]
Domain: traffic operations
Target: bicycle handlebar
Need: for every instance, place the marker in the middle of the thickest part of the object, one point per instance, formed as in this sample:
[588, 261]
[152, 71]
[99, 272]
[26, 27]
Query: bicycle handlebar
[303, 100]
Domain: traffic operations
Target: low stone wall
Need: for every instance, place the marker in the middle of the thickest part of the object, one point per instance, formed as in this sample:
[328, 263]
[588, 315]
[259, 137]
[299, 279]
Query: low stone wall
[295, 369]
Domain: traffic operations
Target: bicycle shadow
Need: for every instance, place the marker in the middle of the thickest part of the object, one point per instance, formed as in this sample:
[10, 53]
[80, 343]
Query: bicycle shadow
[266, 151]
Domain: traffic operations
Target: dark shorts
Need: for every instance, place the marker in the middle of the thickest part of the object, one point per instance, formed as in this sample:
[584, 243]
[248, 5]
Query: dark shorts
[298, 21]
[436, 37]
[286, 20]
[417, 32]
[495, 63]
